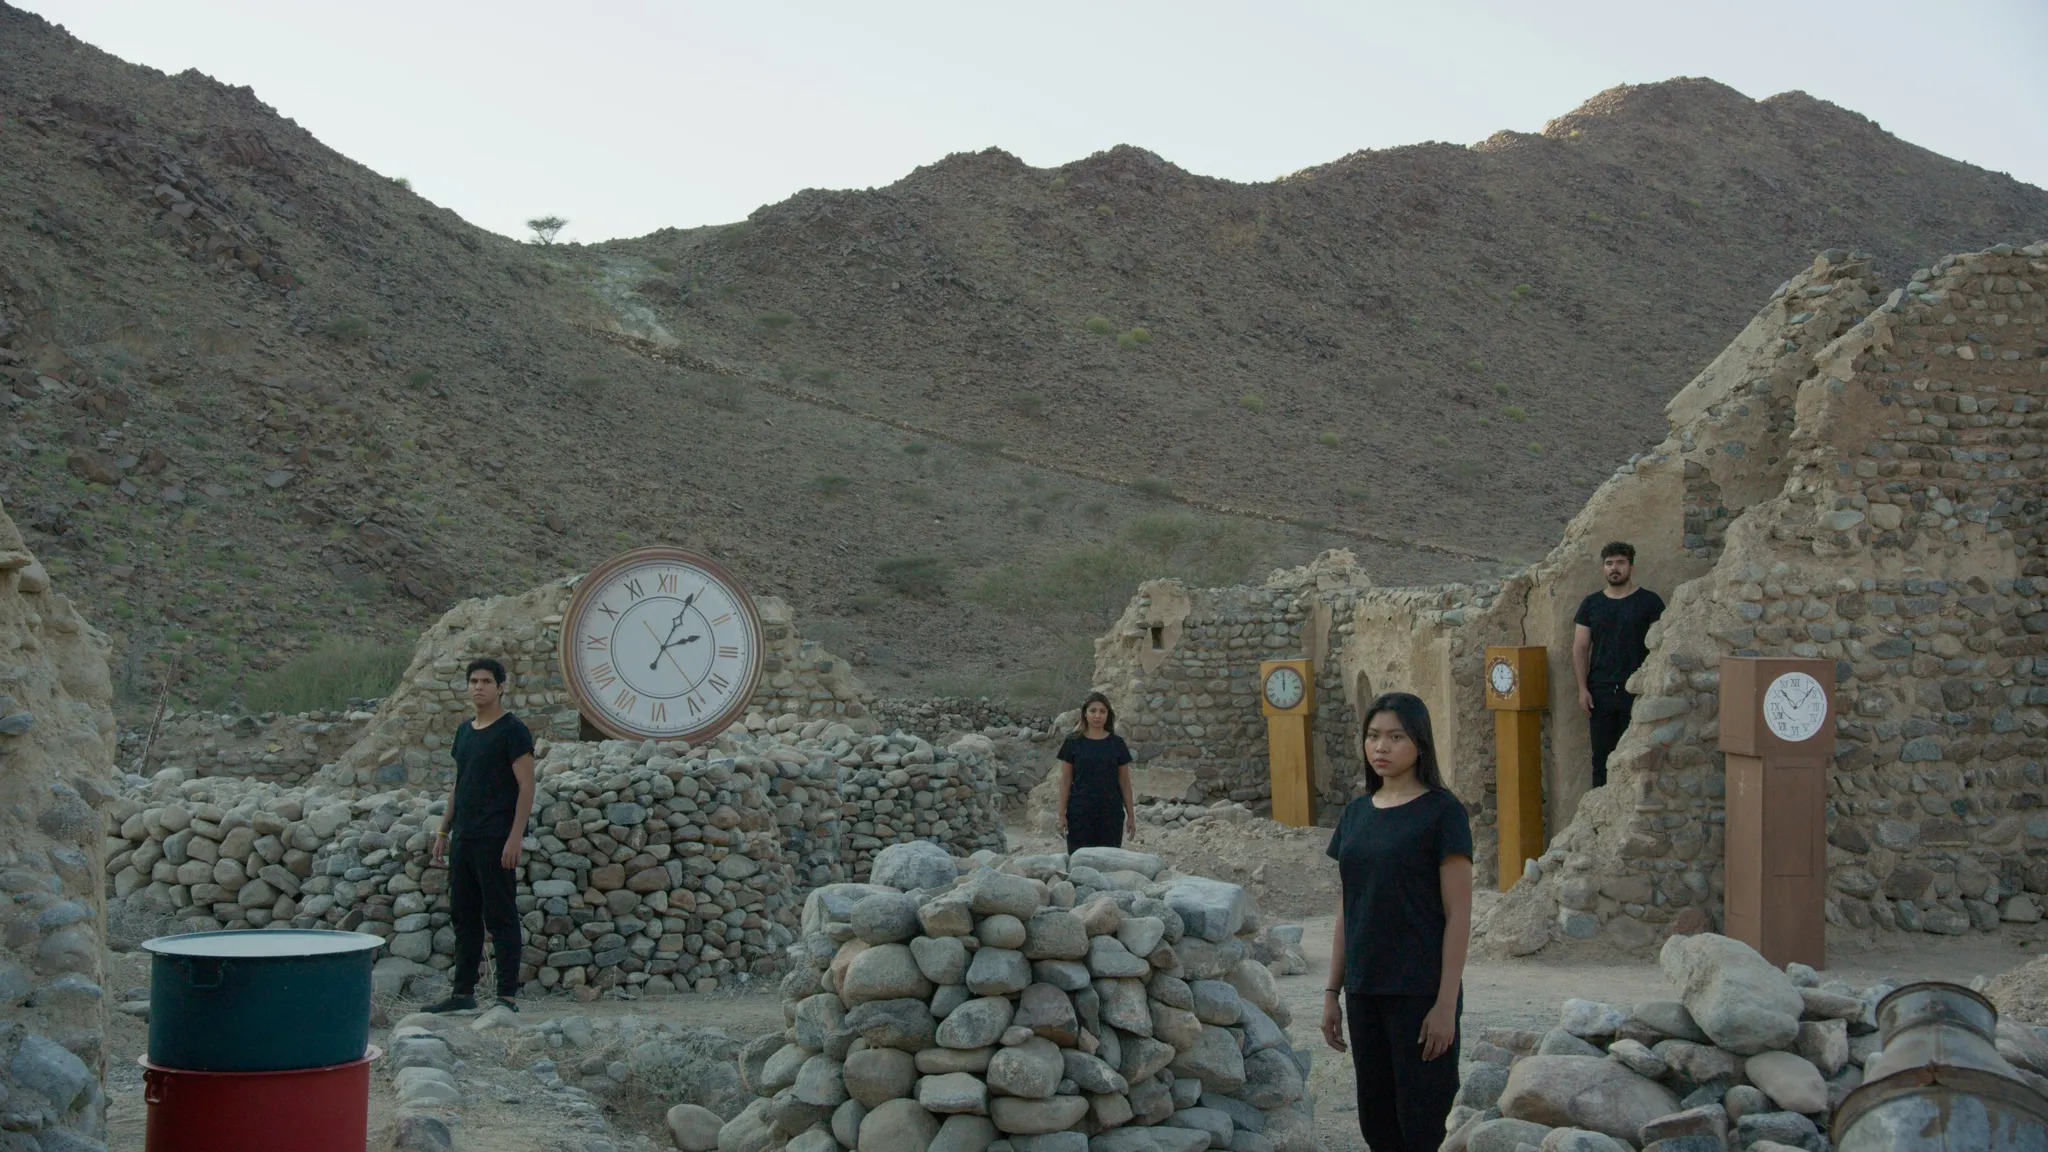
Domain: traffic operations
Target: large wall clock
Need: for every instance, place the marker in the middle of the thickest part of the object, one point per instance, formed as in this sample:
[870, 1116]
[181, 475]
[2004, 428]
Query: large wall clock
[660, 644]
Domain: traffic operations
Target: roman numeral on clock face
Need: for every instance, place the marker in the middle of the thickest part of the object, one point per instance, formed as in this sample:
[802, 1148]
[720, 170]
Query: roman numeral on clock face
[729, 651]
[604, 675]
[634, 588]
[722, 619]
[625, 700]
[665, 582]
[597, 643]
[696, 706]
[717, 682]
[660, 715]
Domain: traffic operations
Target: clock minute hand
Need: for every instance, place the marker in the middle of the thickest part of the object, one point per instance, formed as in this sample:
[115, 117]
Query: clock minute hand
[667, 646]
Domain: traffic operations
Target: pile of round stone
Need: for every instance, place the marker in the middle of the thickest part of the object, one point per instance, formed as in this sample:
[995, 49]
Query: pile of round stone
[1033, 1004]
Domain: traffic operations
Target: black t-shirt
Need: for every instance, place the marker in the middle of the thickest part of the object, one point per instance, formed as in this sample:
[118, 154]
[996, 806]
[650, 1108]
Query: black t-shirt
[486, 790]
[1095, 763]
[1619, 625]
[1389, 860]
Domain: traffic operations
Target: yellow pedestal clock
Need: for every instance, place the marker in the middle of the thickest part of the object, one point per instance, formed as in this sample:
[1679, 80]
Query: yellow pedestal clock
[1288, 698]
[1516, 691]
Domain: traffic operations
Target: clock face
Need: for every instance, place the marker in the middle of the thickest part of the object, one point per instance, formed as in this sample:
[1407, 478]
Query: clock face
[1283, 688]
[1795, 706]
[660, 644]
[1502, 677]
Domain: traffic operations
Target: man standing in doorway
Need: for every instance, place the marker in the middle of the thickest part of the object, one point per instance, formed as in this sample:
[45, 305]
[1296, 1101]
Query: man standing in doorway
[1607, 648]
[486, 816]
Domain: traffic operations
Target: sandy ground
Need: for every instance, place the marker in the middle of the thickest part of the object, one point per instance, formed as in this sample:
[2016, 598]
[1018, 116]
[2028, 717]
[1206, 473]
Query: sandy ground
[1522, 993]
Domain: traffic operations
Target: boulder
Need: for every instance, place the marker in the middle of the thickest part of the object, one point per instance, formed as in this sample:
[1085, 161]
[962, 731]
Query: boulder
[1737, 997]
[1118, 860]
[1209, 909]
[953, 1092]
[873, 1075]
[896, 1125]
[694, 1128]
[1019, 1116]
[1584, 1092]
[1032, 1069]
[1792, 1081]
[913, 864]
[977, 1023]
[884, 972]
[963, 1133]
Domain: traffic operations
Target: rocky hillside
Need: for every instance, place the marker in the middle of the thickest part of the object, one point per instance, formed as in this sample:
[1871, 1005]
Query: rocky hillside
[258, 397]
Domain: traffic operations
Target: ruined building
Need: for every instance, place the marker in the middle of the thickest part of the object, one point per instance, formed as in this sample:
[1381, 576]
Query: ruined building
[1858, 476]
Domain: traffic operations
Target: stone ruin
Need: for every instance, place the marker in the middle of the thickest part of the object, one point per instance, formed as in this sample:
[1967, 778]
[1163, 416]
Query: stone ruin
[1084, 1004]
[56, 759]
[1858, 477]
[1745, 1056]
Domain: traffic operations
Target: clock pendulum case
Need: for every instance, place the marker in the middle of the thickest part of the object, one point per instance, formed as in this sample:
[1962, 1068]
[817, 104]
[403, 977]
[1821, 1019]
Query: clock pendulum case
[1287, 696]
[1516, 691]
[1778, 737]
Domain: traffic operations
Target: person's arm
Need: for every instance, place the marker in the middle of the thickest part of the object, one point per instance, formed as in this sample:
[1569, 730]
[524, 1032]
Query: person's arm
[1066, 786]
[440, 851]
[1582, 659]
[1123, 778]
[1333, 1004]
[1440, 1027]
[522, 770]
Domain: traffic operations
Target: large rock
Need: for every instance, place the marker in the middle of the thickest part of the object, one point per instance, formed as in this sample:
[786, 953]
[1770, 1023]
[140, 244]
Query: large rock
[911, 865]
[1032, 1069]
[977, 1023]
[1019, 1116]
[693, 1127]
[1055, 934]
[964, 1133]
[1118, 860]
[1215, 1060]
[1505, 1134]
[903, 1023]
[897, 1125]
[884, 972]
[942, 959]
[885, 918]
[876, 1074]
[953, 1092]
[1736, 997]
[1209, 909]
[998, 972]
[1790, 1080]
[1584, 1092]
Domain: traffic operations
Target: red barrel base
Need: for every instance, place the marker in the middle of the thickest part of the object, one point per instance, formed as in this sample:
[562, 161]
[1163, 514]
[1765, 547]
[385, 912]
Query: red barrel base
[312, 1110]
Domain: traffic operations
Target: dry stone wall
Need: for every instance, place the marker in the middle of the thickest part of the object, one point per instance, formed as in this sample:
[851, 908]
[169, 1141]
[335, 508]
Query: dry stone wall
[407, 742]
[652, 866]
[288, 748]
[1058, 1004]
[56, 759]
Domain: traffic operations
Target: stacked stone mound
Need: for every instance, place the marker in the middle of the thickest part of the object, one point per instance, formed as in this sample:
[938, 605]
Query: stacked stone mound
[649, 866]
[1747, 1055]
[56, 758]
[1038, 1004]
[287, 747]
[407, 742]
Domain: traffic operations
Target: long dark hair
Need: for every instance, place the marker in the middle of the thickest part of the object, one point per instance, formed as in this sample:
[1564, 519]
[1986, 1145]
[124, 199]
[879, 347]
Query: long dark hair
[1413, 714]
[1081, 719]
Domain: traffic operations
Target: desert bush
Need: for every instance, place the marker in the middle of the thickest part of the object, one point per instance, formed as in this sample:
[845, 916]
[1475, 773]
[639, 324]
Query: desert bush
[1515, 412]
[346, 329]
[1252, 402]
[1522, 292]
[1029, 404]
[1099, 325]
[1329, 439]
[329, 676]
[1162, 535]
[419, 378]
[916, 448]
[831, 485]
[774, 322]
[1157, 487]
[726, 393]
[1440, 440]
[588, 387]
[922, 577]
[821, 377]
[1475, 366]
[1500, 390]
[985, 445]
[1535, 448]
[1135, 337]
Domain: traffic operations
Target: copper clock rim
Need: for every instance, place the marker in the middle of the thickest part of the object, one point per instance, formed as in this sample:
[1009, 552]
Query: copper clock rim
[1513, 676]
[578, 604]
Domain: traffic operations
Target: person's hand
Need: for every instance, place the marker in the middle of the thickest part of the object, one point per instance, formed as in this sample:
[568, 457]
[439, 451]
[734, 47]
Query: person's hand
[509, 858]
[439, 855]
[1439, 1028]
[1062, 822]
[1586, 699]
[1333, 1021]
[1131, 827]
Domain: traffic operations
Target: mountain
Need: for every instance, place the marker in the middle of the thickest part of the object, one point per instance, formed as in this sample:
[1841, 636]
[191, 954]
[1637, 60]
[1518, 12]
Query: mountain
[262, 401]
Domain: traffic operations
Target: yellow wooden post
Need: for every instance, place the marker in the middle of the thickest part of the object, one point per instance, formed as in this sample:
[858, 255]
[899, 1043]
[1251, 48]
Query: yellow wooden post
[1287, 696]
[1516, 691]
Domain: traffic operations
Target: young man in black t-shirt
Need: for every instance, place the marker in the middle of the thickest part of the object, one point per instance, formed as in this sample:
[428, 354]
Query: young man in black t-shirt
[486, 815]
[1607, 648]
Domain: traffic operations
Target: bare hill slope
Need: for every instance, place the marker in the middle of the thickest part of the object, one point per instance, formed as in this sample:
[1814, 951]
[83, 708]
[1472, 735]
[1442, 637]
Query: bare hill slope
[257, 395]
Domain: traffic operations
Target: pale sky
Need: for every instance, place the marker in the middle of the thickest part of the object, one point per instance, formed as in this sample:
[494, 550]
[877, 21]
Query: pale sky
[629, 116]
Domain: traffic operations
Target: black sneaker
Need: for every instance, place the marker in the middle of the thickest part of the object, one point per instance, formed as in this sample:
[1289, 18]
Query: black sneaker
[453, 1004]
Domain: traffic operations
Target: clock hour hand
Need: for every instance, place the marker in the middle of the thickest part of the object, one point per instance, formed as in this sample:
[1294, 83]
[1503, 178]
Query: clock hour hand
[665, 647]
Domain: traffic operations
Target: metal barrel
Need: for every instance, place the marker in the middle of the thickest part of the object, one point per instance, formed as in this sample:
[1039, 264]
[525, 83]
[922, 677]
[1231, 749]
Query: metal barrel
[1939, 1084]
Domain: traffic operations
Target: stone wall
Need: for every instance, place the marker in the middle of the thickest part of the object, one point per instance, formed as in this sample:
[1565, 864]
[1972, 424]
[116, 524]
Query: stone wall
[650, 866]
[407, 742]
[56, 760]
[1041, 1001]
[288, 748]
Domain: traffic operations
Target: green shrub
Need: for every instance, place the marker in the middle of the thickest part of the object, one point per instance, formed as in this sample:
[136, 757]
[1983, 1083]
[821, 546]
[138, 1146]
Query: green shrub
[346, 329]
[1329, 439]
[1440, 440]
[985, 445]
[588, 387]
[1500, 390]
[330, 675]
[1521, 292]
[1535, 449]
[419, 378]
[788, 373]
[1029, 404]
[1157, 487]
[1252, 402]
[917, 576]
[1515, 412]
[1162, 535]
[1034, 519]
[726, 393]
[1475, 366]
[831, 485]
[867, 602]
[774, 322]
[1135, 337]
[916, 448]
[821, 377]
[1097, 508]
[1099, 325]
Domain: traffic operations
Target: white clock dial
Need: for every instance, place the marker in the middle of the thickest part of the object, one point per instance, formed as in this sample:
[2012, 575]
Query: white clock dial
[1283, 688]
[1795, 707]
[1502, 677]
[661, 644]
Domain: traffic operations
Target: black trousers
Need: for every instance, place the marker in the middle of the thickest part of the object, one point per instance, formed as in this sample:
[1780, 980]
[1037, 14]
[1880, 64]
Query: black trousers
[1403, 1099]
[1611, 709]
[1095, 822]
[484, 896]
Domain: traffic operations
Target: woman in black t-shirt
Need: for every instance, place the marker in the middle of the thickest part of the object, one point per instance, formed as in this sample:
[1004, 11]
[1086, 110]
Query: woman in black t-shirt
[1404, 853]
[1096, 809]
